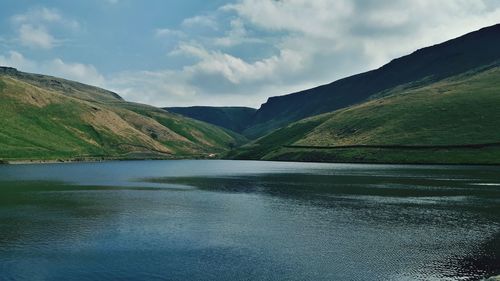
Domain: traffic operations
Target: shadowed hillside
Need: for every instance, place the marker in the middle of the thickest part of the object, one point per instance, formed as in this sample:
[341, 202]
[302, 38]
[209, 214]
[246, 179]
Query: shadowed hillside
[232, 118]
[422, 67]
[451, 121]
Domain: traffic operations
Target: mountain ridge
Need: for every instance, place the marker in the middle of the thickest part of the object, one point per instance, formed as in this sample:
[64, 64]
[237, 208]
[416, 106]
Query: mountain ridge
[419, 68]
[361, 116]
[424, 65]
[234, 118]
[451, 121]
[49, 118]
[59, 84]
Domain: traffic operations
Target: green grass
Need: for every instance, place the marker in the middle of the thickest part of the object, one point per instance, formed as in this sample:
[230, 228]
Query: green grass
[40, 123]
[455, 111]
[461, 110]
[490, 156]
[422, 67]
[284, 136]
[201, 135]
[38, 134]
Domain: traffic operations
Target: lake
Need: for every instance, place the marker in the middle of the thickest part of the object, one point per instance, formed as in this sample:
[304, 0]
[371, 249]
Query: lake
[247, 220]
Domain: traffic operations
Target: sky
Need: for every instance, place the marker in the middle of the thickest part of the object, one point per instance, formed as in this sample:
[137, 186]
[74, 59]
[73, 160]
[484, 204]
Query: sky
[221, 52]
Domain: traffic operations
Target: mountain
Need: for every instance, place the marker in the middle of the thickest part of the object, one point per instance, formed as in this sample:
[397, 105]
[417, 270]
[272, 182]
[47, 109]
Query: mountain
[454, 120]
[233, 118]
[48, 118]
[422, 67]
[436, 105]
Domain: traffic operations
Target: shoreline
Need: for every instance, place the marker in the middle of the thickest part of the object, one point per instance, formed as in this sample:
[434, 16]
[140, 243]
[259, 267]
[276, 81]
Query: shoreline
[29, 162]
[75, 160]
[99, 160]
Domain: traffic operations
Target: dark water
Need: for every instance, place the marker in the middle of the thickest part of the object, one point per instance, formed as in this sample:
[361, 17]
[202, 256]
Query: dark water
[237, 220]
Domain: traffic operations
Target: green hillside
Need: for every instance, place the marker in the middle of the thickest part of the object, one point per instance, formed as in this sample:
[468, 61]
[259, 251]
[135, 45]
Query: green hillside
[423, 67]
[236, 119]
[438, 123]
[47, 118]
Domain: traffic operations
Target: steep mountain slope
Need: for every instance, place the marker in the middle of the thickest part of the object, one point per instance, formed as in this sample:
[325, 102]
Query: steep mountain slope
[424, 66]
[451, 121]
[49, 118]
[232, 118]
[67, 87]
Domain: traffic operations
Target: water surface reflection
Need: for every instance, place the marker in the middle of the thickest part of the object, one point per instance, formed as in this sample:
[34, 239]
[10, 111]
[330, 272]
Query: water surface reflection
[239, 220]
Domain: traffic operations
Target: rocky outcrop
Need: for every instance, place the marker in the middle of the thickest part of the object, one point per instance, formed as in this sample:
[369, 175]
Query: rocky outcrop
[8, 70]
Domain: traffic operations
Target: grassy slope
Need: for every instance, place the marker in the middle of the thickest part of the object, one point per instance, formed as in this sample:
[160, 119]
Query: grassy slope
[422, 67]
[459, 110]
[46, 118]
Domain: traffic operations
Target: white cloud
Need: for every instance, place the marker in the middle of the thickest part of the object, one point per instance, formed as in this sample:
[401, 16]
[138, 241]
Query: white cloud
[244, 52]
[36, 37]
[17, 60]
[320, 41]
[172, 88]
[236, 70]
[236, 35]
[315, 18]
[308, 43]
[84, 73]
[167, 32]
[3, 42]
[41, 14]
[203, 21]
[216, 79]
[384, 29]
[33, 27]
[147, 87]
[45, 15]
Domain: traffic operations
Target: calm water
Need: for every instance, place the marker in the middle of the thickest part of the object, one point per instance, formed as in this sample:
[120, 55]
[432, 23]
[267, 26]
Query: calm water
[243, 220]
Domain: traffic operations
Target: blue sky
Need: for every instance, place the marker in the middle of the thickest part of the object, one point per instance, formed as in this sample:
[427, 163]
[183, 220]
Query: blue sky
[221, 52]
